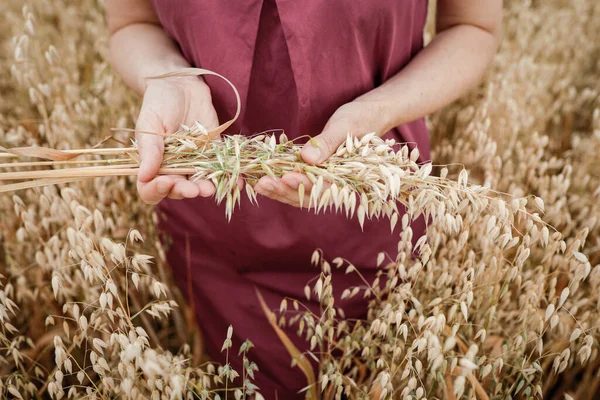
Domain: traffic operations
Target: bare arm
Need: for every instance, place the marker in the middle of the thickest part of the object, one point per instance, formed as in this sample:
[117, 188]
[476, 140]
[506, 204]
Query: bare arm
[140, 48]
[466, 41]
[456, 59]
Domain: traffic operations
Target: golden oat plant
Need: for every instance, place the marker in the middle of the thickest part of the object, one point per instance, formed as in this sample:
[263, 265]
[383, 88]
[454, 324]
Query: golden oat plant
[494, 304]
[87, 308]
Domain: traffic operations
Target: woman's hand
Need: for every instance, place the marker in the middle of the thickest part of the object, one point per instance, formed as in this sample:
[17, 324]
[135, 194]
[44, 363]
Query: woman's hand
[140, 48]
[467, 38]
[168, 103]
[357, 118]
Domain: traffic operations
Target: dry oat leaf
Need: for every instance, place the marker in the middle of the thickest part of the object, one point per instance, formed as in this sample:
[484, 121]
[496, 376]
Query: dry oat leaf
[42, 152]
[449, 388]
[302, 362]
[135, 156]
[478, 388]
[376, 391]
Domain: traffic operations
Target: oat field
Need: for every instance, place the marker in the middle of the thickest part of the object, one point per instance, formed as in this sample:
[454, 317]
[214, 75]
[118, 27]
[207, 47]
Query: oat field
[501, 301]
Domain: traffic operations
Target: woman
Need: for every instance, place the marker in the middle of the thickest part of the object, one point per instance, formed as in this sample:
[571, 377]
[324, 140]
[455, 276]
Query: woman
[323, 68]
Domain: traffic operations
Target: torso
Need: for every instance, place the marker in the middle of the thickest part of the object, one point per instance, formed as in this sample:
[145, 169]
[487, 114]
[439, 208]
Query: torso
[294, 63]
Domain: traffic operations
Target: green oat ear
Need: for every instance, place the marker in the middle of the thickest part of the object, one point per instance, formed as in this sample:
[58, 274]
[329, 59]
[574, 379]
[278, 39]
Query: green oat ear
[313, 142]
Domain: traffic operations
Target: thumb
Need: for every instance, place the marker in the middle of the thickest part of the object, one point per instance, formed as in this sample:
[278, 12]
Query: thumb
[321, 147]
[150, 147]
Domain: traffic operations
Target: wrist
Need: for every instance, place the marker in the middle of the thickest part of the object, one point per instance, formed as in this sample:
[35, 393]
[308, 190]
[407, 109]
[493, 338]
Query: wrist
[377, 115]
[156, 69]
[187, 84]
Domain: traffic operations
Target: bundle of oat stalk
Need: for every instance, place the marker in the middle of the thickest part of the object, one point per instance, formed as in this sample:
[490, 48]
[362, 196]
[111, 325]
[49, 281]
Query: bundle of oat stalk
[366, 176]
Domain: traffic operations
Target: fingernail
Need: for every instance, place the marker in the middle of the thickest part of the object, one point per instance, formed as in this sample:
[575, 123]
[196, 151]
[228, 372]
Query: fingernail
[162, 187]
[313, 153]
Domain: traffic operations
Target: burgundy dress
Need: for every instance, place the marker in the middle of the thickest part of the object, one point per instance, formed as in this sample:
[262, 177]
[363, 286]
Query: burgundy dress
[294, 63]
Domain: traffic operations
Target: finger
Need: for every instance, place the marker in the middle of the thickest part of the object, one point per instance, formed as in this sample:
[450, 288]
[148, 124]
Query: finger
[274, 195]
[150, 147]
[265, 186]
[279, 190]
[294, 179]
[288, 195]
[151, 150]
[240, 183]
[205, 188]
[286, 200]
[321, 147]
[155, 190]
[175, 196]
[184, 189]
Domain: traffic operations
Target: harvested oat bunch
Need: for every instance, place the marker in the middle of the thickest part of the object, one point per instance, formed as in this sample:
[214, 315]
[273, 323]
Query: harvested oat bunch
[365, 176]
[499, 300]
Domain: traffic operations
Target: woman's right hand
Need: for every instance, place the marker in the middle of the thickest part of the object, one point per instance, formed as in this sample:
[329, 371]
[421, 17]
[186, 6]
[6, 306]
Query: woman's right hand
[168, 103]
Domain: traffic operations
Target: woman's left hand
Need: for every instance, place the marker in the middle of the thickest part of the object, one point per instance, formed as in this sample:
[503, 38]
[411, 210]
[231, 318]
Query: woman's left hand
[356, 118]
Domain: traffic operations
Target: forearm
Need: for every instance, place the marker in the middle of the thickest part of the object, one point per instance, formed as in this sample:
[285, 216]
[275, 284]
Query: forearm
[142, 50]
[449, 66]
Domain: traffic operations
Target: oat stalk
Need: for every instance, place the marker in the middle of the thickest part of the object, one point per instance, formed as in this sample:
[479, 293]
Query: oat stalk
[366, 177]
